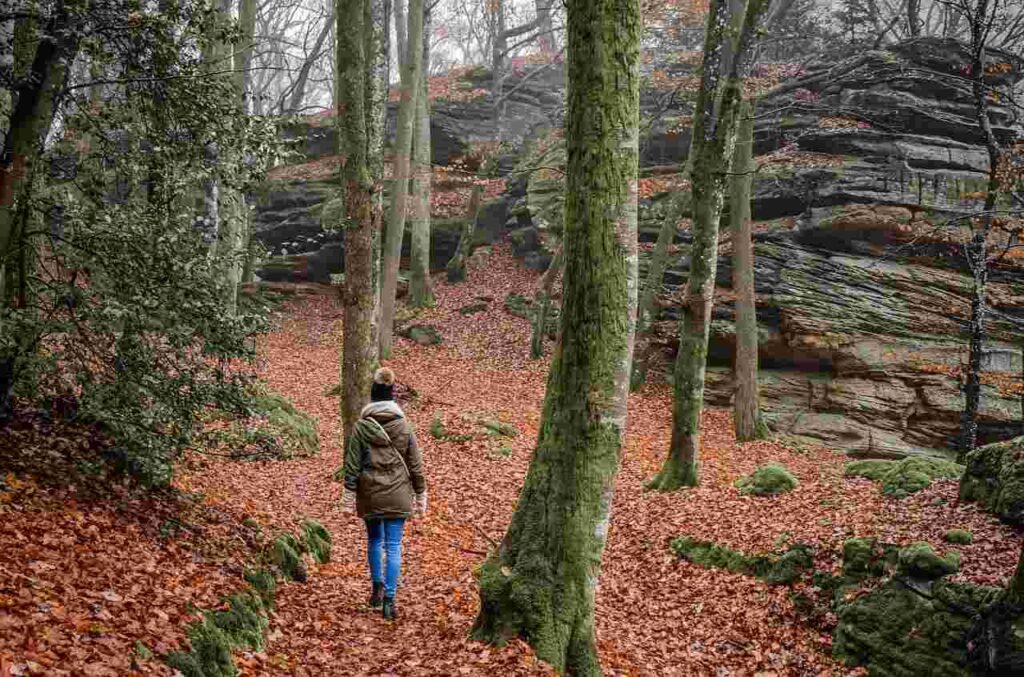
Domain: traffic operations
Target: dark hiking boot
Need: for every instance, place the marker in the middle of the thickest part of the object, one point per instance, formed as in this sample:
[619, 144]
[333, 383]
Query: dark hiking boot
[389, 610]
[377, 596]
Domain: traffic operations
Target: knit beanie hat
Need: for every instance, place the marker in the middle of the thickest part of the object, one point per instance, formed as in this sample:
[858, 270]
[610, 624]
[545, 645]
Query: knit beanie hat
[383, 385]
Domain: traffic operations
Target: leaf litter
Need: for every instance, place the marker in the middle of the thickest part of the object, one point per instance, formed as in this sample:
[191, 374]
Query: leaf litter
[83, 581]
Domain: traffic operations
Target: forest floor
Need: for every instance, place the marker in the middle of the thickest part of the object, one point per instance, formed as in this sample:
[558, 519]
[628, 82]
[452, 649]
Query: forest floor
[83, 578]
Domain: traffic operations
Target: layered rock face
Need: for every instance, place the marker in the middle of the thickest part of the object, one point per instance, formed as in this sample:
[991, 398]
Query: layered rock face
[863, 295]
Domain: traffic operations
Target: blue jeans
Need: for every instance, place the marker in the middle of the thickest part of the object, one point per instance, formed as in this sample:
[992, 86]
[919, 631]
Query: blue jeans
[385, 534]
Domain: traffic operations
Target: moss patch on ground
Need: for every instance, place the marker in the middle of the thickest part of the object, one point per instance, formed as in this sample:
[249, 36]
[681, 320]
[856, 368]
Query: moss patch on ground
[768, 480]
[775, 568]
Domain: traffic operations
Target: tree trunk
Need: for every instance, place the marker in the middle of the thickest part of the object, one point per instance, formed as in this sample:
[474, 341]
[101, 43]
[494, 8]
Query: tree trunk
[36, 102]
[914, 18]
[401, 38]
[976, 251]
[400, 188]
[456, 267]
[545, 30]
[421, 292]
[353, 67]
[714, 137]
[499, 44]
[540, 585]
[299, 90]
[378, 44]
[542, 305]
[747, 407]
[647, 312]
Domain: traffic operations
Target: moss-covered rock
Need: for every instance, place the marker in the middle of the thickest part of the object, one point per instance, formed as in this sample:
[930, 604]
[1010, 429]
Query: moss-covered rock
[768, 480]
[903, 631]
[867, 557]
[958, 537]
[423, 334]
[919, 560]
[496, 428]
[295, 430]
[869, 468]
[906, 476]
[317, 540]
[994, 477]
[473, 308]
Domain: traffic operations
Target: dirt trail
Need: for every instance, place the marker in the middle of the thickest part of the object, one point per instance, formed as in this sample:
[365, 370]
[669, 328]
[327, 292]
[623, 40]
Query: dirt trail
[656, 615]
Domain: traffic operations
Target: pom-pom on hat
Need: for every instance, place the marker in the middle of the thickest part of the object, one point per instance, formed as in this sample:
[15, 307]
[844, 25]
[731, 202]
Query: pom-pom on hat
[383, 385]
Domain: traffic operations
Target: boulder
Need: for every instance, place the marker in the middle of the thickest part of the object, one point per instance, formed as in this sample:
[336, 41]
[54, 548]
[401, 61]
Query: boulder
[994, 477]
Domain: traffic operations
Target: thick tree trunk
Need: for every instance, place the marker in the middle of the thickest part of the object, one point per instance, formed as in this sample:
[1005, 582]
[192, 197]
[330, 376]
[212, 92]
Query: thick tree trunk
[421, 292]
[456, 267]
[400, 188]
[647, 311]
[541, 583]
[747, 407]
[714, 137]
[353, 67]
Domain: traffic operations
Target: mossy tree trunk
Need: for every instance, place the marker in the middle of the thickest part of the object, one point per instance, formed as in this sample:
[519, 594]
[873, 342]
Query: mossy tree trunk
[243, 76]
[542, 305]
[714, 138]
[421, 292]
[456, 267]
[378, 46]
[400, 188]
[540, 585]
[647, 311]
[357, 186]
[747, 406]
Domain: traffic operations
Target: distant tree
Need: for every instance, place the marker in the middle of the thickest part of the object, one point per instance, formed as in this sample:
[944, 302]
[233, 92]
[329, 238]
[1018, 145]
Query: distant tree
[421, 292]
[411, 75]
[715, 123]
[541, 582]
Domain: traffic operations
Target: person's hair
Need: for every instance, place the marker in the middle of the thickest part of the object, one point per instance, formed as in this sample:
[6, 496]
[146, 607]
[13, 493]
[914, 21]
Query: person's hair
[383, 387]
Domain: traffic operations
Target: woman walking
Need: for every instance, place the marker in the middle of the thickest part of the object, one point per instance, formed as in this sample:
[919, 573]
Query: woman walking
[384, 485]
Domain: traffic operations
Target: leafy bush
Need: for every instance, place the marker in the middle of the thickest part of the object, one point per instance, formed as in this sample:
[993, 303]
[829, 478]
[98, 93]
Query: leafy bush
[768, 480]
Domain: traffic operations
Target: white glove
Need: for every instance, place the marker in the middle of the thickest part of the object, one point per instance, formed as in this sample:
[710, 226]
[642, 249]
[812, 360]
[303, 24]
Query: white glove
[421, 503]
[348, 502]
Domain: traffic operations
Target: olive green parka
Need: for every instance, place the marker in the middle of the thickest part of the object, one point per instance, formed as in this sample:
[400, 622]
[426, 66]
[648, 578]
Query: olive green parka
[383, 465]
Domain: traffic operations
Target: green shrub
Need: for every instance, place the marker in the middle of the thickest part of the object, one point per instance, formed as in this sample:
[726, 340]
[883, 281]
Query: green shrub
[959, 536]
[285, 554]
[769, 479]
[211, 649]
[244, 622]
[263, 582]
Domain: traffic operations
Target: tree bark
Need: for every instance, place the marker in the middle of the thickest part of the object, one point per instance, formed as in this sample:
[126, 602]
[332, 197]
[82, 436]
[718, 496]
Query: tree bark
[400, 188]
[976, 250]
[456, 267]
[401, 37]
[714, 137]
[378, 45]
[353, 67]
[540, 585]
[647, 312]
[36, 102]
[914, 18]
[421, 292]
[542, 305]
[747, 407]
